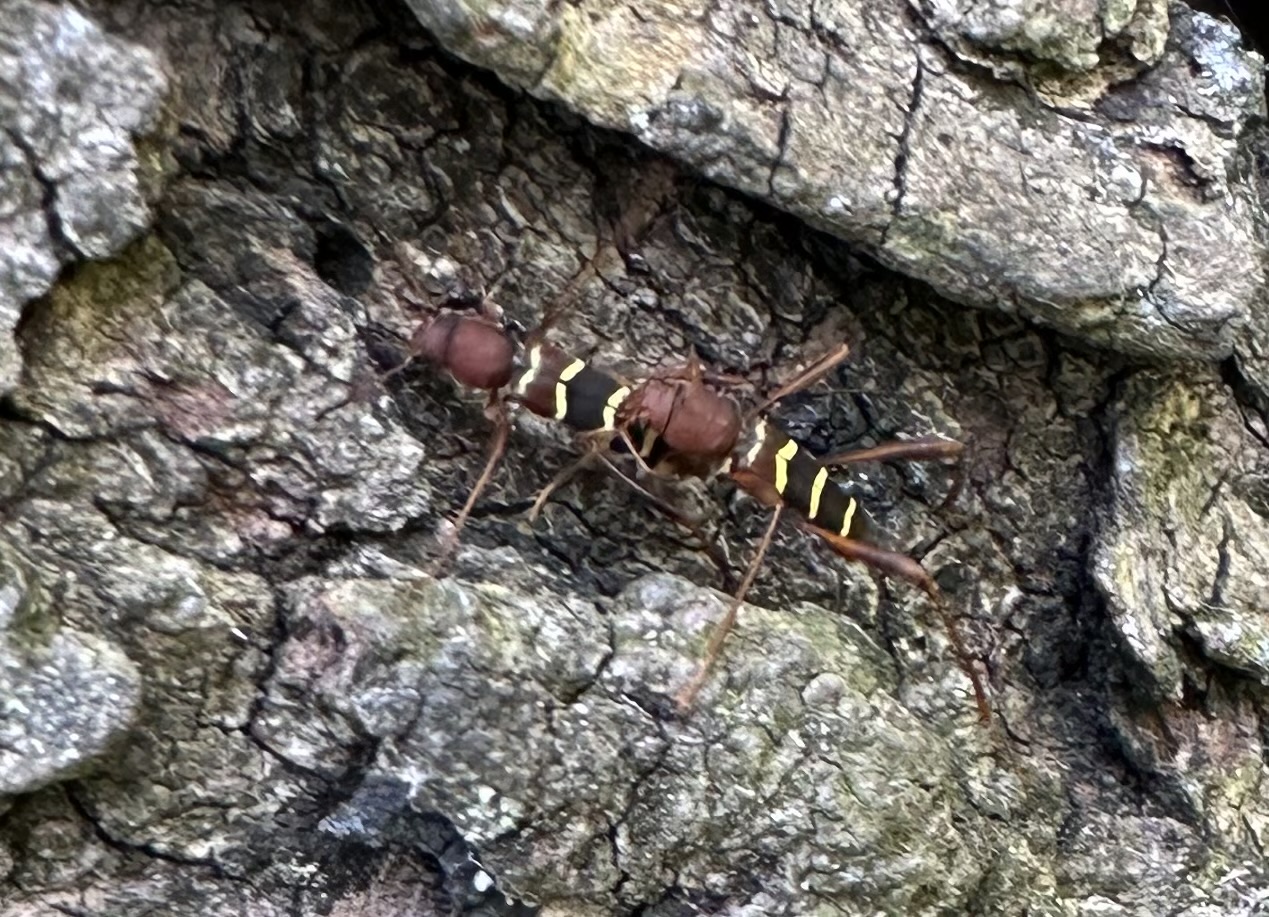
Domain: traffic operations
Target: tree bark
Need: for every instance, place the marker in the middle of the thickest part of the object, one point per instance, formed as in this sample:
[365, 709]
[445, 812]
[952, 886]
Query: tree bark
[230, 684]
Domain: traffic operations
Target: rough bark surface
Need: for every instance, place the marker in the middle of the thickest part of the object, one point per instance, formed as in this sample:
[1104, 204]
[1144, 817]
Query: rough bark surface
[227, 682]
[72, 99]
[1115, 132]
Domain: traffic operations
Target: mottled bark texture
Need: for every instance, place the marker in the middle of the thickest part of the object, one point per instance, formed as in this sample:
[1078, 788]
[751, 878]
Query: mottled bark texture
[227, 683]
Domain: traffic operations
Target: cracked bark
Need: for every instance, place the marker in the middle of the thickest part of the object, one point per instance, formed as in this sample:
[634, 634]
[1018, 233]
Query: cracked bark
[208, 494]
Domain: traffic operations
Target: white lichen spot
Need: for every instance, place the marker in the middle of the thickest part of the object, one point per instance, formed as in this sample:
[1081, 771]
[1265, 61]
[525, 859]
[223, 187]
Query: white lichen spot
[482, 881]
[485, 794]
[72, 30]
[516, 23]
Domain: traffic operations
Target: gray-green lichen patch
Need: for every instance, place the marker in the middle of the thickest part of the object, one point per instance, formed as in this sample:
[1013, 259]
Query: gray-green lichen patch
[233, 500]
[66, 694]
[177, 651]
[139, 349]
[645, 55]
[1212, 765]
[93, 320]
[800, 725]
[522, 33]
[1054, 39]
[1184, 553]
[1182, 561]
[27, 610]
[73, 98]
[64, 703]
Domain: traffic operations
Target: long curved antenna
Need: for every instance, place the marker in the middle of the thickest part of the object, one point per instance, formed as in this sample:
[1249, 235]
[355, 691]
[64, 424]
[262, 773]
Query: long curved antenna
[809, 376]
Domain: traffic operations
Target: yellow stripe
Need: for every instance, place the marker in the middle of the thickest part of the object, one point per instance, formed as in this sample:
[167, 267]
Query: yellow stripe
[611, 405]
[649, 440]
[817, 490]
[526, 378]
[561, 387]
[783, 457]
[760, 437]
[850, 514]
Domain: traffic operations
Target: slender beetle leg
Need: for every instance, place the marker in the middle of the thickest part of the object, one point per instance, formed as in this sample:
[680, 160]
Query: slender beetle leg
[690, 523]
[497, 412]
[623, 432]
[808, 377]
[687, 694]
[892, 563]
[559, 481]
[922, 449]
[676, 515]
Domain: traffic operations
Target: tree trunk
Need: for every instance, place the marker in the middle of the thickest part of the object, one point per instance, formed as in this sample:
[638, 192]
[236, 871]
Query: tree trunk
[234, 680]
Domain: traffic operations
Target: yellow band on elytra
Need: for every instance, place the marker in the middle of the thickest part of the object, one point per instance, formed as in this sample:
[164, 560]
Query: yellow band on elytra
[846, 520]
[561, 388]
[817, 491]
[611, 405]
[783, 457]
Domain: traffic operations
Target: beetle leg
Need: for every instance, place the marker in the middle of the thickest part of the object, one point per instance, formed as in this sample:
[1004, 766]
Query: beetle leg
[714, 648]
[922, 449]
[502, 428]
[892, 563]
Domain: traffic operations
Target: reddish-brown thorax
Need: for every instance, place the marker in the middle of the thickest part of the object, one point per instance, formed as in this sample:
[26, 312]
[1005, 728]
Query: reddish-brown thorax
[475, 350]
[688, 416]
